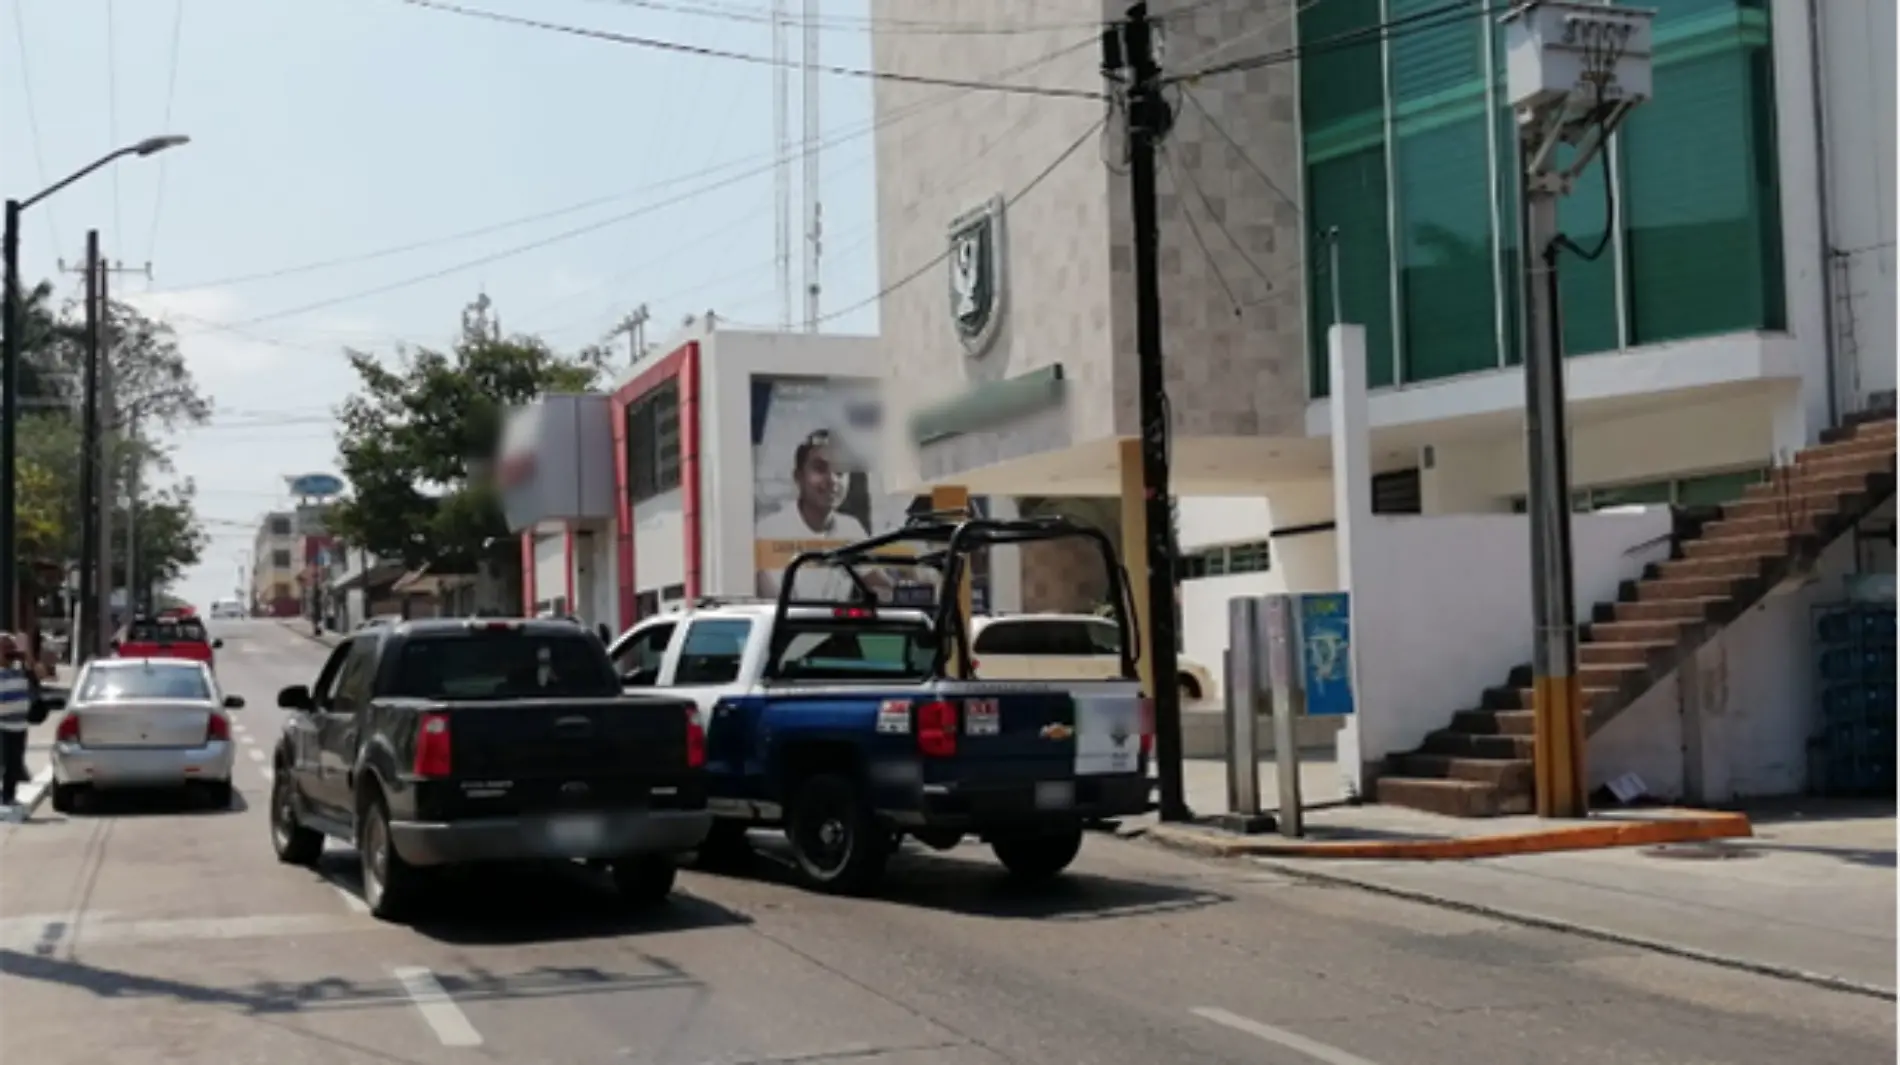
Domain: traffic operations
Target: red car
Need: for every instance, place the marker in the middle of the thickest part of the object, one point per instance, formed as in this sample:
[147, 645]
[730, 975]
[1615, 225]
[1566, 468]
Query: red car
[169, 635]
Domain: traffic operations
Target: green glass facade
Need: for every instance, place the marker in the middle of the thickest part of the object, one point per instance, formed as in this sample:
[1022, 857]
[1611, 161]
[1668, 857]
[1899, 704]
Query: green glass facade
[1410, 164]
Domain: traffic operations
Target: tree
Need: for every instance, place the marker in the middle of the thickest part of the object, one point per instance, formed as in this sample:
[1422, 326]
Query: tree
[416, 438]
[167, 533]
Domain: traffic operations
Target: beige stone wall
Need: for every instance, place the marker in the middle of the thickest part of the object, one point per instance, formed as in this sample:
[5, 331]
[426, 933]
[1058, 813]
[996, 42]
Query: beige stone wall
[1062, 577]
[1069, 282]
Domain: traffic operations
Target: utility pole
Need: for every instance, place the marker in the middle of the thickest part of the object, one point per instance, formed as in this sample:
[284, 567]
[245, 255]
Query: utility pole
[98, 464]
[814, 205]
[10, 308]
[132, 513]
[1129, 49]
[634, 325]
[86, 641]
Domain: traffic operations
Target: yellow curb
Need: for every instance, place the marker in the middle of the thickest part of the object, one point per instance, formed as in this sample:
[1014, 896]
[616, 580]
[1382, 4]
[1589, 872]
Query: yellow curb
[1657, 827]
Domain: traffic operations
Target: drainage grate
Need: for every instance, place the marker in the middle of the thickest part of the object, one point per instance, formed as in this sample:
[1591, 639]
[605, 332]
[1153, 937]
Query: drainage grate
[1702, 852]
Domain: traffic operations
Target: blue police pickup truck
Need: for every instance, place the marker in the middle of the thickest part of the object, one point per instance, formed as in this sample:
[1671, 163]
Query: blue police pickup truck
[840, 712]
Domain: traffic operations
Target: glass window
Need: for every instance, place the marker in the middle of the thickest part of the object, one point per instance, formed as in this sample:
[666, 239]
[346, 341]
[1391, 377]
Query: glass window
[712, 652]
[503, 664]
[154, 680]
[280, 558]
[653, 443]
[827, 651]
[280, 526]
[183, 630]
[645, 651]
[1105, 637]
[1248, 557]
[1443, 209]
[1342, 119]
[1715, 489]
[1629, 495]
[1012, 638]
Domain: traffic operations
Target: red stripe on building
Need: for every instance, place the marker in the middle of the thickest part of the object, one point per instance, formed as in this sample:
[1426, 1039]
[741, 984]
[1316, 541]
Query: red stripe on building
[527, 573]
[567, 560]
[681, 364]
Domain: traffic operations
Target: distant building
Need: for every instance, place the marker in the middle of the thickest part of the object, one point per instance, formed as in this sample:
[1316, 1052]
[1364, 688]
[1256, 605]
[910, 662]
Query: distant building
[276, 560]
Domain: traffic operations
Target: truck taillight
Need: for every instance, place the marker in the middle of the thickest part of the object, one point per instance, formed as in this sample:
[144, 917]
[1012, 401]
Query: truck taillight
[937, 728]
[432, 745]
[1147, 726]
[68, 730]
[695, 740]
[218, 728]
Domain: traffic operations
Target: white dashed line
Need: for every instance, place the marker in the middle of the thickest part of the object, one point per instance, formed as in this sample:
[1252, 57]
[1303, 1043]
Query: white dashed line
[444, 1017]
[1280, 1037]
[256, 753]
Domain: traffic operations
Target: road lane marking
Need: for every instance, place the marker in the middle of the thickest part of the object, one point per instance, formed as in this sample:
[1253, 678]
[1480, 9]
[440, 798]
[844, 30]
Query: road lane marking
[1279, 1037]
[441, 1013]
[29, 934]
[256, 753]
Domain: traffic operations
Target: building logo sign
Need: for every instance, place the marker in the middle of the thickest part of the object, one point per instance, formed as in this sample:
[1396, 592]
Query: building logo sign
[976, 276]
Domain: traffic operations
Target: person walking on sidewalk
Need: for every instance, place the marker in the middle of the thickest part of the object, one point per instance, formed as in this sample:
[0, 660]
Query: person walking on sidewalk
[19, 687]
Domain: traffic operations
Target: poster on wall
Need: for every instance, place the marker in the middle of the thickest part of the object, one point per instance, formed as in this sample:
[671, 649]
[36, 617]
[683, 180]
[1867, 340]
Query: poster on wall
[817, 484]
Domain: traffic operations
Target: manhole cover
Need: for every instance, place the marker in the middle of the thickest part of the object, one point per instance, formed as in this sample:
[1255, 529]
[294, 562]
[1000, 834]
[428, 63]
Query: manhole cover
[1706, 852]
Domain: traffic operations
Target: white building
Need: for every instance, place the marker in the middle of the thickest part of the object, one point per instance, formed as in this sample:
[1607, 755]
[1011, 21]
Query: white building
[1744, 306]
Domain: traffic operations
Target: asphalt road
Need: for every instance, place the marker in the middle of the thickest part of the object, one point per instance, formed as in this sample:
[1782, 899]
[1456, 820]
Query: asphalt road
[150, 932]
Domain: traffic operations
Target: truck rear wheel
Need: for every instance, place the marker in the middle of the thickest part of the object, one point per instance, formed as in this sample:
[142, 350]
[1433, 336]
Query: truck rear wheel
[1038, 857]
[836, 840]
[294, 844]
[389, 883]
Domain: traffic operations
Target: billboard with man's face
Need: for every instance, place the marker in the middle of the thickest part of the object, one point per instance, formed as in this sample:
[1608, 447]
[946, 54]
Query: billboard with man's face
[817, 482]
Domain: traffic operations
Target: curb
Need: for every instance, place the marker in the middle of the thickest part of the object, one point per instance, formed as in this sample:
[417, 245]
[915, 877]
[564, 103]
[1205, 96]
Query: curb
[1682, 827]
[1726, 961]
[305, 633]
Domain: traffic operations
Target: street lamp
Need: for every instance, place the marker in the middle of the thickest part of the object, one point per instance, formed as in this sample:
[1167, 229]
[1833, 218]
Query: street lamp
[10, 366]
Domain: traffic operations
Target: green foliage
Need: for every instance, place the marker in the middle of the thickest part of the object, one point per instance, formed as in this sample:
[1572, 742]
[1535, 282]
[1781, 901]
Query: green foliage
[170, 540]
[417, 437]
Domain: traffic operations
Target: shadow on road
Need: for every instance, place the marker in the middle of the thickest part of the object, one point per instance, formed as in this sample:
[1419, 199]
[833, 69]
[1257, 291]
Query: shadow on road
[505, 905]
[970, 882]
[143, 802]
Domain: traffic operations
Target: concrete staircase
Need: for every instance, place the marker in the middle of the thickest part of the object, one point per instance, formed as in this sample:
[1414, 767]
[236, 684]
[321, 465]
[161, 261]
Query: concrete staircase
[1722, 562]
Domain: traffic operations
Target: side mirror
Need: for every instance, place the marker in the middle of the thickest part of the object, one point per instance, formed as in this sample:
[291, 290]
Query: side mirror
[217, 645]
[640, 678]
[295, 697]
[234, 702]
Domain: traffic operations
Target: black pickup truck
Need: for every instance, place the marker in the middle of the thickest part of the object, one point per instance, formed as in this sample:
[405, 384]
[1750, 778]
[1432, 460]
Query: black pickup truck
[449, 742]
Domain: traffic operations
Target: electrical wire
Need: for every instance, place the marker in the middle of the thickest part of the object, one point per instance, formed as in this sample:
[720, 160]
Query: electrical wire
[937, 259]
[1207, 253]
[32, 112]
[1393, 29]
[708, 52]
[900, 115]
[112, 116]
[1234, 143]
[171, 95]
[852, 24]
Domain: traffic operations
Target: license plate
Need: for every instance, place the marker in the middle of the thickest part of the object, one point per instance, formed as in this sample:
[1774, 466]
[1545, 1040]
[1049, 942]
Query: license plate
[1055, 795]
[578, 832]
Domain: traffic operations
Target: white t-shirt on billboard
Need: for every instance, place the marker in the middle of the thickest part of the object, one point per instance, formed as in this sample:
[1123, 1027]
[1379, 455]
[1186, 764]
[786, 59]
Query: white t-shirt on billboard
[818, 583]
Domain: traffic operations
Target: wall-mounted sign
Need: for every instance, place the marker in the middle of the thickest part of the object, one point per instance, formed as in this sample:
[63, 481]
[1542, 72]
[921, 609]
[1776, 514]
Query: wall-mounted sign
[315, 485]
[977, 261]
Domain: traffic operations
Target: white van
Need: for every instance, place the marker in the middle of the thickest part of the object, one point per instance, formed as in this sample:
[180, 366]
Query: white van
[1063, 647]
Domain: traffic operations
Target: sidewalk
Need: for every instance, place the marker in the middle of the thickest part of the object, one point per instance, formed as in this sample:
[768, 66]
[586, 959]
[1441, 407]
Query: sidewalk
[301, 626]
[1810, 894]
[39, 758]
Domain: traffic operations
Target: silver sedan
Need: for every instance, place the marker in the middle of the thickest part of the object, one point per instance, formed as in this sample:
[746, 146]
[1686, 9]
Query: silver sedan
[142, 723]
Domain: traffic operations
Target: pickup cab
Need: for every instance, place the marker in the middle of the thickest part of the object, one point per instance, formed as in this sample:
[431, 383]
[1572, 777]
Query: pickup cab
[169, 635]
[847, 724]
[449, 742]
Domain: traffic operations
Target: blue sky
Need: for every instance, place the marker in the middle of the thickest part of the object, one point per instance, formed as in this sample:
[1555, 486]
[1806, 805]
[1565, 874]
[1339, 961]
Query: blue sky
[332, 129]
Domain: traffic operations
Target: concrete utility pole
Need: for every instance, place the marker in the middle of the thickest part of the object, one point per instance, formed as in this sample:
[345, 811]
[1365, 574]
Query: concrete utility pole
[1575, 71]
[1129, 48]
[814, 205]
[634, 326]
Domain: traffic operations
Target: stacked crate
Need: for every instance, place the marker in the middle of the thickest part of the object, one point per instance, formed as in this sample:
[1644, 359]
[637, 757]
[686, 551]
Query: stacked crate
[1854, 668]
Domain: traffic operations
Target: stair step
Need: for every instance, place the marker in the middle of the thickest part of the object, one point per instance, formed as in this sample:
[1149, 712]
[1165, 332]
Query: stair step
[1686, 608]
[1764, 525]
[1660, 589]
[1868, 457]
[1511, 774]
[1753, 545]
[1499, 722]
[1804, 482]
[1662, 630]
[1870, 445]
[1734, 567]
[1607, 677]
[1523, 696]
[1452, 798]
[1800, 507]
[1634, 654]
[1472, 745]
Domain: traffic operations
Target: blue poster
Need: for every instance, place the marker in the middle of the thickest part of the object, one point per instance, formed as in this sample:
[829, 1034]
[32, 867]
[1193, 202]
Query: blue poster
[1326, 652]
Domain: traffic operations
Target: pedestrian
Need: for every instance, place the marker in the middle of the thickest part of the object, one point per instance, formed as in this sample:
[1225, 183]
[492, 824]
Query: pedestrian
[19, 687]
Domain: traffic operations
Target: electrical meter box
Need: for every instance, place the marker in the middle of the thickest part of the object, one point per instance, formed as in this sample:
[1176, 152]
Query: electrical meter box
[1561, 53]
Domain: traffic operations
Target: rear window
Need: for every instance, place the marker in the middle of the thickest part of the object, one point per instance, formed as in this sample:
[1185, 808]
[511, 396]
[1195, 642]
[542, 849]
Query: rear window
[1055, 638]
[189, 630]
[504, 665]
[108, 684]
[828, 651]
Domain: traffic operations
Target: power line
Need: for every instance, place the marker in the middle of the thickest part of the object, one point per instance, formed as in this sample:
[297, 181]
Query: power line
[32, 112]
[854, 24]
[171, 94]
[112, 114]
[1194, 228]
[1394, 29]
[746, 57]
[1234, 143]
[900, 115]
[1041, 176]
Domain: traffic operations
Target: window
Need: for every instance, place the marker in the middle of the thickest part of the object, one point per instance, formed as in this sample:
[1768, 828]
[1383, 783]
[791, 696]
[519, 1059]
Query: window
[712, 652]
[1254, 556]
[653, 443]
[185, 630]
[1706, 490]
[672, 593]
[1105, 637]
[1036, 637]
[645, 605]
[355, 681]
[826, 651]
[644, 651]
[120, 683]
[502, 665]
[280, 526]
[280, 558]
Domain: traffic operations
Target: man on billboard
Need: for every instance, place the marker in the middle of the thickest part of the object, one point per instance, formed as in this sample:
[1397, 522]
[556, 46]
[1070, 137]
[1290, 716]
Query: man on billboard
[811, 520]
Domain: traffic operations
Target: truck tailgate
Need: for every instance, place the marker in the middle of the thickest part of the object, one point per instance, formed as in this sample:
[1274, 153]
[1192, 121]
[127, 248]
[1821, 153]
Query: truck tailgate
[1015, 732]
[532, 755]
